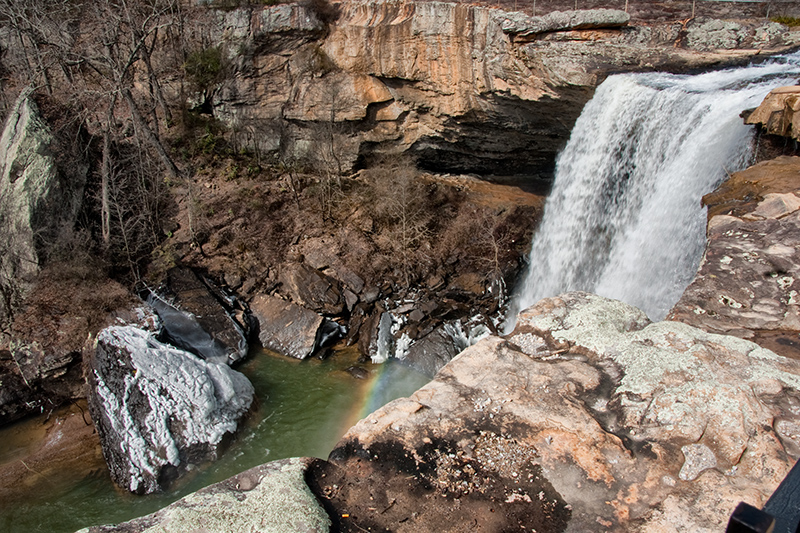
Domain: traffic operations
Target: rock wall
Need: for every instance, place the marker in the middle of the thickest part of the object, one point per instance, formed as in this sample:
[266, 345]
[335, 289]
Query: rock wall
[464, 88]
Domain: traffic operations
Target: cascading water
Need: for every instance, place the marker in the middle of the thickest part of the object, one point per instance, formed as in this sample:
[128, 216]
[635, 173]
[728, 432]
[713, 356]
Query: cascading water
[624, 219]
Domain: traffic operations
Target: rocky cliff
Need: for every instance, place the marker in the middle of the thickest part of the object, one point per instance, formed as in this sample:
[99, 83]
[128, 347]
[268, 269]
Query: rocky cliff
[464, 88]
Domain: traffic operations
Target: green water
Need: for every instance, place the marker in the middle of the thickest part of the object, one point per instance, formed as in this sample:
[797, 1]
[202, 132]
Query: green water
[303, 408]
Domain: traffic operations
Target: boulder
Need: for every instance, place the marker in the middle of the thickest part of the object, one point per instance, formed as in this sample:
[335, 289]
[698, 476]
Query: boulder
[36, 199]
[715, 34]
[590, 417]
[158, 409]
[273, 497]
[749, 279]
[430, 353]
[311, 288]
[779, 113]
[521, 25]
[288, 328]
[195, 320]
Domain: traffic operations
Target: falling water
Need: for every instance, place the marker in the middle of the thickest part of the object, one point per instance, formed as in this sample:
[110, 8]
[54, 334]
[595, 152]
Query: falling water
[624, 219]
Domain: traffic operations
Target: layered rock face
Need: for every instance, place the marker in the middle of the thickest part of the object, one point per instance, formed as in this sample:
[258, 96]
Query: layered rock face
[159, 409]
[464, 88]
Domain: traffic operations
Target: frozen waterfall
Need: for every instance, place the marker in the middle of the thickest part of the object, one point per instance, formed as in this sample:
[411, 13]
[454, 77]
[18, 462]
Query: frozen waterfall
[624, 219]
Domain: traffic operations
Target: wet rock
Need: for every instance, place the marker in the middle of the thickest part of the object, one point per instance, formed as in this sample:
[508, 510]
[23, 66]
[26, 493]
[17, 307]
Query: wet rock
[749, 280]
[195, 320]
[36, 380]
[430, 353]
[311, 288]
[158, 409]
[270, 497]
[779, 113]
[590, 415]
[358, 372]
[290, 329]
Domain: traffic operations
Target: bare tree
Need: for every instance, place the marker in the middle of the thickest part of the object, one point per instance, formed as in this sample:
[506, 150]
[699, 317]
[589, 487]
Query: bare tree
[400, 203]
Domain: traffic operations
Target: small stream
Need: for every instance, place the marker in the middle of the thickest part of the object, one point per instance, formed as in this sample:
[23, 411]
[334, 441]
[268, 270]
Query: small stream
[303, 409]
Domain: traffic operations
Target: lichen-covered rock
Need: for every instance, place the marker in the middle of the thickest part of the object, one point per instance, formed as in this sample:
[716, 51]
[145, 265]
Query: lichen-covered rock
[779, 113]
[159, 409]
[590, 416]
[522, 25]
[36, 200]
[271, 498]
[749, 279]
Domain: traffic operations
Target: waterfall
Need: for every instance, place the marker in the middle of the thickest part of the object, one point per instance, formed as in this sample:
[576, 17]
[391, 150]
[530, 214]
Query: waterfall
[624, 219]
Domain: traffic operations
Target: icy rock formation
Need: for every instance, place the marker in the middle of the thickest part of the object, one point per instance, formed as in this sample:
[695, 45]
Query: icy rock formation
[196, 320]
[157, 408]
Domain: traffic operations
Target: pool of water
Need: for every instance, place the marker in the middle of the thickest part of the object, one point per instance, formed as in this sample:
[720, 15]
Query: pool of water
[303, 409]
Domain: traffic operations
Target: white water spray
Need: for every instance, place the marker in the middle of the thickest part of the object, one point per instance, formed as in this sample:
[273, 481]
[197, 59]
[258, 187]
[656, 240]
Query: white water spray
[624, 219]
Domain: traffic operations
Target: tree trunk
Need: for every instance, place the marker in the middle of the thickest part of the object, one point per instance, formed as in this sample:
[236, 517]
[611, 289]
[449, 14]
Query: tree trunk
[149, 136]
[105, 178]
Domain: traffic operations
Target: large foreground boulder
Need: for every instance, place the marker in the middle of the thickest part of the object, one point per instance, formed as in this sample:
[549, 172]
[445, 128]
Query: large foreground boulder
[159, 409]
[587, 416]
[271, 498]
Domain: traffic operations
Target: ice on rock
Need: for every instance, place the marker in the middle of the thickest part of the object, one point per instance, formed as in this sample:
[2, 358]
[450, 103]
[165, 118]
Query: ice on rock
[155, 405]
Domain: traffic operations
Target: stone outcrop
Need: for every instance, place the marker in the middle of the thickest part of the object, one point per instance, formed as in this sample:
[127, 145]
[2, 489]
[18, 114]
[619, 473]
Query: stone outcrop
[464, 88]
[749, 279]
[288, 328]
[195, 320]
[36, 200]
[271, 498]
[159, 410]
[590, 416]
[523, 26]
[41, 365]
[779, 113]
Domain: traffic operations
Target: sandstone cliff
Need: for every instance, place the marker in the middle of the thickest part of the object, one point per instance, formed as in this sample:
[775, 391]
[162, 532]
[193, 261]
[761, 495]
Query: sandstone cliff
[465, 88]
